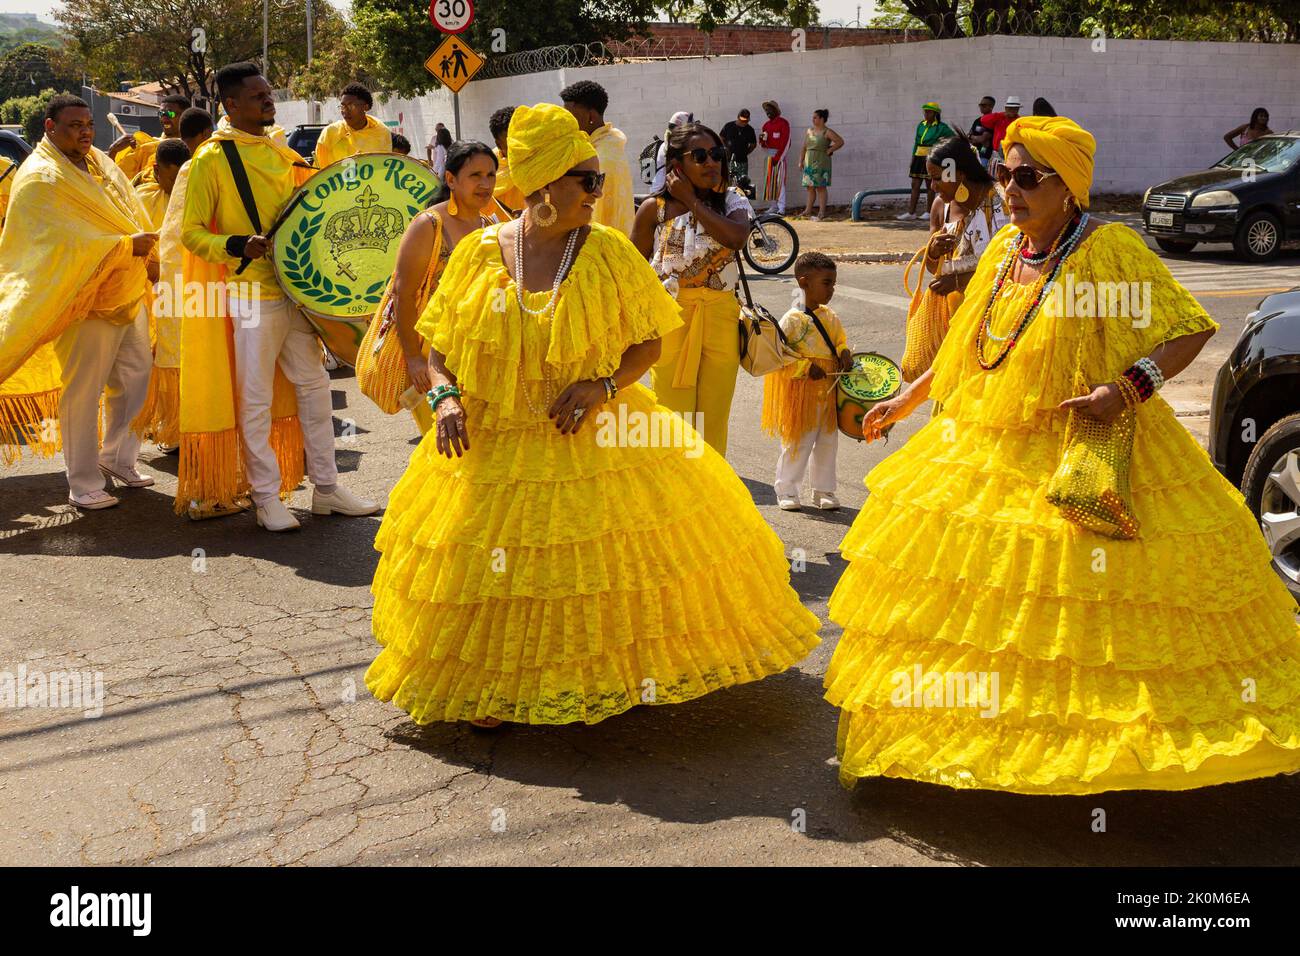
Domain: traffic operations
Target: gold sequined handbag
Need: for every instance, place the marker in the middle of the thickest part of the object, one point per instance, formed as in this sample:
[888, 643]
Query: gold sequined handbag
[1091, 484]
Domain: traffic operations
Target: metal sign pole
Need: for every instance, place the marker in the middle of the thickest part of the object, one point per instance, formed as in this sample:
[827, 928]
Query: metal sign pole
[455, 105]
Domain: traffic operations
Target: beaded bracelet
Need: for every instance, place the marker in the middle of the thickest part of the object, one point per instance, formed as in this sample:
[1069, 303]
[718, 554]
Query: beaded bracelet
[1153, 372]
[1140, 383]
[441, 392]
[1129, 391]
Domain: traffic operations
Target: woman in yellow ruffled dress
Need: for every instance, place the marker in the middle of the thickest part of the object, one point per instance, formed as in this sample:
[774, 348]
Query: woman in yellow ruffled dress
[543, 560]
[991, 643]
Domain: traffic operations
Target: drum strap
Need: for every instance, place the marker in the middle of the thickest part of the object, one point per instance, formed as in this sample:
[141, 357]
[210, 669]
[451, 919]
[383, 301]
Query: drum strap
[244, 187]
[830, 346]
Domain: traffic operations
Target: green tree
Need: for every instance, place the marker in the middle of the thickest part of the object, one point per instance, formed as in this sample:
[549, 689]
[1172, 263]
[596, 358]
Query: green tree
[28, 112]
[182, 43]
[391, 39]
[32, 67]
[708, 15]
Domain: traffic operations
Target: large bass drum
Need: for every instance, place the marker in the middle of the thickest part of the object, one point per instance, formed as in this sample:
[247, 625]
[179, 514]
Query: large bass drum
[337, 250]
[874, 378]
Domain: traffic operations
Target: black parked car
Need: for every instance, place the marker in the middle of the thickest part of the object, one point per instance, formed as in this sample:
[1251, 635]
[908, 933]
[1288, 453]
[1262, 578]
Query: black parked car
[1255, 425]
[302, 139]
[1250, 198]
[13, 147]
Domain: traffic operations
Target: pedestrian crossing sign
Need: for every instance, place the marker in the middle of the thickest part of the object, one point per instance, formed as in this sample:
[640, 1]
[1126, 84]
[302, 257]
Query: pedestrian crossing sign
[454, 63]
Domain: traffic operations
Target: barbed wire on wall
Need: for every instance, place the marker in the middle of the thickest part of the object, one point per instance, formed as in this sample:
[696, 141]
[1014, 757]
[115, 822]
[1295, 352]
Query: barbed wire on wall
[826, 35]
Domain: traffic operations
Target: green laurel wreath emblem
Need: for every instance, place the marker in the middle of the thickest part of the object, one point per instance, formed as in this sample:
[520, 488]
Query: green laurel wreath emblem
[310, 281]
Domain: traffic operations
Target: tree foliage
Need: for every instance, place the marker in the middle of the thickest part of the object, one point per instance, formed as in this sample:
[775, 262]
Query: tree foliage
[33, 67]
[708, 15]
[28, 112]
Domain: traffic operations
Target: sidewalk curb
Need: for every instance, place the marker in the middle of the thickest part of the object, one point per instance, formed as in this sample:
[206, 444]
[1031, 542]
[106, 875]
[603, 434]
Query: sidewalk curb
[867, 257]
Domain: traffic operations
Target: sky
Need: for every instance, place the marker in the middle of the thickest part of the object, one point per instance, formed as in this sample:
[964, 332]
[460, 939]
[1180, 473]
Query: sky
[843, 10]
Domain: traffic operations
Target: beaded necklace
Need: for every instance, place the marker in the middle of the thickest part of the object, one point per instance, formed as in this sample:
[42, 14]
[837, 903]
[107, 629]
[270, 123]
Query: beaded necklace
[1060, 250]
[565, 263]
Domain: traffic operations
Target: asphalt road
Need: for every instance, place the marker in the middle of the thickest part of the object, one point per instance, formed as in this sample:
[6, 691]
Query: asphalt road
[236, 727]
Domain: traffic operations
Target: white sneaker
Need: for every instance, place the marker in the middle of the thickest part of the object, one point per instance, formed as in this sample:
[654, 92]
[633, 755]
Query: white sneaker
[788, 504]
[274, 516]
[127, 476]
[341, 502]
[94, 501]
[328, 360]
[905, 217]
[826, 500]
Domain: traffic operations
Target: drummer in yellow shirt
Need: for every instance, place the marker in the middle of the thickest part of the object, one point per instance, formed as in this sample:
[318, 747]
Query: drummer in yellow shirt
[267, 330]
[357, 132]
[135, 154]
[587, 101]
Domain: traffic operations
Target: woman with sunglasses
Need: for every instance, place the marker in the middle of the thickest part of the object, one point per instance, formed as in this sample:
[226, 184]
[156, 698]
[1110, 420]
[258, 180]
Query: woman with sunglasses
[690, 232]
[541, 562]
[1099, 656]
[463, 205]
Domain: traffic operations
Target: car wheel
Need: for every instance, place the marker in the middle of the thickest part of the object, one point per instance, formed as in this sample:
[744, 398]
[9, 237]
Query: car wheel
[1271, 486]
[1259, 237]
[1175, 245]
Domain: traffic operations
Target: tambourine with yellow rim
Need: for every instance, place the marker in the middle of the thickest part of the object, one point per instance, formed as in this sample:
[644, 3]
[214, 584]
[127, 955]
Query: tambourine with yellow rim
[337, 250]
[873, 379]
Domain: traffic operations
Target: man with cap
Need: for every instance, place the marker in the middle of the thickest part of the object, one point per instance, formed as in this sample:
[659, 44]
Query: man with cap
[998, 123]
[739, 138]
[929, 131]
[661, 157]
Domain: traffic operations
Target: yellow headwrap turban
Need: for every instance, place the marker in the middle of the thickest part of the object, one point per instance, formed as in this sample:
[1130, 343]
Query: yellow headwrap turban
[543, 143]
[1061, 143]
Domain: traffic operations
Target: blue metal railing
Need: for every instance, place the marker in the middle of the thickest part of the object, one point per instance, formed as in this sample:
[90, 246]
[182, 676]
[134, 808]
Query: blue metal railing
[857, 200]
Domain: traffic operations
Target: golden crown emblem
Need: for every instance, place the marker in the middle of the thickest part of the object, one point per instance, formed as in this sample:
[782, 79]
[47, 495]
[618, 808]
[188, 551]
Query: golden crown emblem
[367, 227]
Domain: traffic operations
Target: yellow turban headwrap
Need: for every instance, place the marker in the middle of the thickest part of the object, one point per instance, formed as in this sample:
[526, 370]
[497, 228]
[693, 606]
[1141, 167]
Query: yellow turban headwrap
[1061, 143]
[543, 144]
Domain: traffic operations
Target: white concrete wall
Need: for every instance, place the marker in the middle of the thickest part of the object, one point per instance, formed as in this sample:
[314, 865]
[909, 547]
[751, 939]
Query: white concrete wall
[1158, 108]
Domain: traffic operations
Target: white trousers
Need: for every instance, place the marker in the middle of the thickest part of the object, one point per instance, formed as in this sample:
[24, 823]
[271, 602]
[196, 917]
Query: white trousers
[817, 445]
[115, 361]
[268, 331]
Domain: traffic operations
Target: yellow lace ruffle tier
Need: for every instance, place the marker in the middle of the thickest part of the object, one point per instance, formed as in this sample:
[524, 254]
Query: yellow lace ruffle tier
[549, 579]
[1168, 662]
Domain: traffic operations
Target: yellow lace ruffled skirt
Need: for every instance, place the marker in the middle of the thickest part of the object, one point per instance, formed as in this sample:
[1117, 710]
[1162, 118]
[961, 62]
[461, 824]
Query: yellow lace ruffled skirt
[990, 644]
[550, 579]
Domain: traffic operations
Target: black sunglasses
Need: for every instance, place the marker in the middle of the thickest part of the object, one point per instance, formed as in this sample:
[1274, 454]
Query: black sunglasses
[591, 180]
[700, 154]
[1024, 175]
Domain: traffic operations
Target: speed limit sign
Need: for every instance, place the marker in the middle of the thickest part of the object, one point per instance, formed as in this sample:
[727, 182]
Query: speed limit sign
[451, 16]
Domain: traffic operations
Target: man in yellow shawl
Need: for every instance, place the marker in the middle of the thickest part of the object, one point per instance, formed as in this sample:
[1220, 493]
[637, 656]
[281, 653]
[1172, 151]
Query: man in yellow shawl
[159, 420]
[587, 101]
[7, 171]
[356, 132]
[72, 321]
[505, 192]
[134, 155]
[258, 343]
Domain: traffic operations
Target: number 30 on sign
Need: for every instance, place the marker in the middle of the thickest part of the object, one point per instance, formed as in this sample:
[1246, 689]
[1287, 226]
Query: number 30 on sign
[451, 16]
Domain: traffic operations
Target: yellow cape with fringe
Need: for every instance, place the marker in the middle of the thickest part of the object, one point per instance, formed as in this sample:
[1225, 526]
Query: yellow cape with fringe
[211, 454]
[159, 419]
[66, 250]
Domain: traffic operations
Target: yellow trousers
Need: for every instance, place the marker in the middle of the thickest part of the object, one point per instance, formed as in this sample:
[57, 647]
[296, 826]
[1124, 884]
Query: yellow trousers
[696, 371]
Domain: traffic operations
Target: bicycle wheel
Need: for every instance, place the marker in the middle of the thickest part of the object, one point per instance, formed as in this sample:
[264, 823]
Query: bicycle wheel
[772, 245]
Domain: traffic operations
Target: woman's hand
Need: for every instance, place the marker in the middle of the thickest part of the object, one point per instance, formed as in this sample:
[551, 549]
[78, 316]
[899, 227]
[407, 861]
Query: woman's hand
[679, 187]
[881, 416]
[417, 367]
[584, 395]
[453, 432]
[940, 245]
[1104, 403]
[945, 284]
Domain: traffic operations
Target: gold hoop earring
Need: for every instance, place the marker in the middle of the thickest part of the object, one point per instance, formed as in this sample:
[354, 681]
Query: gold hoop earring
[545, 213]
[962, 193]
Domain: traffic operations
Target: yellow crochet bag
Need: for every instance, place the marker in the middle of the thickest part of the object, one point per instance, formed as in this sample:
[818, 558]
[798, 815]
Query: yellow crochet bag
[928, 316]
[381, 364]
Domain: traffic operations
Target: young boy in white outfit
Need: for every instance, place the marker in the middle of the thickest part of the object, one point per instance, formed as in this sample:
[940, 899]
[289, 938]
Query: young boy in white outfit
[799, 399]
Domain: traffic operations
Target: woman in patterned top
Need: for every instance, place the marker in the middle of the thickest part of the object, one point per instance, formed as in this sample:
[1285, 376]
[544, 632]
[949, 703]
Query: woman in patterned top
[690, 232]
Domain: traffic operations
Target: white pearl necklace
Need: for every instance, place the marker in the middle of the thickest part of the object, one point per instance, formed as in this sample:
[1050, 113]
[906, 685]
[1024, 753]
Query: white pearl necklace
[566, 262]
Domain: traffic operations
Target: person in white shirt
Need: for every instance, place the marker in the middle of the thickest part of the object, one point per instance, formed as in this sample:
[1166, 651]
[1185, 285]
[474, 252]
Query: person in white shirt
[438, 154]
[661, 157]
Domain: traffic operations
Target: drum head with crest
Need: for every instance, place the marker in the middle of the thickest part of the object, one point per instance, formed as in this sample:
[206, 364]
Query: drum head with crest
[335, 253]
[874, 379]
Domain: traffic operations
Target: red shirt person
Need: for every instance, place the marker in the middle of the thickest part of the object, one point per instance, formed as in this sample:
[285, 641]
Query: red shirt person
[775, 137]
[998, 122]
